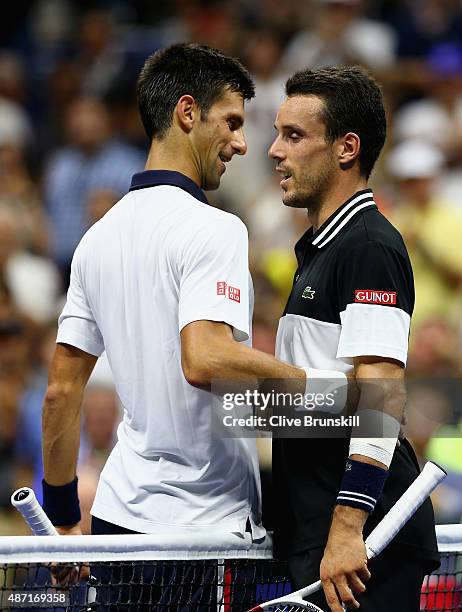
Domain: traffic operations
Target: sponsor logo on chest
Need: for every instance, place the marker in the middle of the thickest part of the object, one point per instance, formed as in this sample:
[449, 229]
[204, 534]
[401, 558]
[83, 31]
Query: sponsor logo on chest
[370, 296]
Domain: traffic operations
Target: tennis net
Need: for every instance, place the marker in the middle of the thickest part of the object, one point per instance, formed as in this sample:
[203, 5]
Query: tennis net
[210, 572]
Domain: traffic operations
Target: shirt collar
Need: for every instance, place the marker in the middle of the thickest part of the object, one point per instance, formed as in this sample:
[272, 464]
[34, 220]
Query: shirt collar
[151, 178]
[334, 225]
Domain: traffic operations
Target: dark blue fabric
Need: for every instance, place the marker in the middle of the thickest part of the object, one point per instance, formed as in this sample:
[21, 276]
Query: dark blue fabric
[151, 178]
[362, 478]
[61, 503]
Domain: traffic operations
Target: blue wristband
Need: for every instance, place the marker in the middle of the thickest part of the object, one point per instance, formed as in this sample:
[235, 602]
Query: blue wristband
[61, 503]
[362, 485]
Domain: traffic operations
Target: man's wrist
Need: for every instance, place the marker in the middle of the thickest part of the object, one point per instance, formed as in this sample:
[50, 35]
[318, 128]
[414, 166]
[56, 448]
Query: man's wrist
[348, 519]
[361, 485]
[61, 503]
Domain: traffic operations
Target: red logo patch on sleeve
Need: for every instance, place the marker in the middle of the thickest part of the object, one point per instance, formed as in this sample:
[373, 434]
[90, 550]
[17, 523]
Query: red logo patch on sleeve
[234, 294]
[371, 296]
[221, 288]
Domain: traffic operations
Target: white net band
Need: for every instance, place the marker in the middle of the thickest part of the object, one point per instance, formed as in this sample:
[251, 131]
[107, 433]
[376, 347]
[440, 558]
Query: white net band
[219, 545]
[213, 545]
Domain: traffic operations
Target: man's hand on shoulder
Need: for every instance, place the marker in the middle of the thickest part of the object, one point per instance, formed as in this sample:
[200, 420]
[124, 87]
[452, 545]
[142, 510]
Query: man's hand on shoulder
[343, 568]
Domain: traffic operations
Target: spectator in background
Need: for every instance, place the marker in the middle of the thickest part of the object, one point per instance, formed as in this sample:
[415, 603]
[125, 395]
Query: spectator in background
[93, 159]
[31, 282]
[28, 468]
[422, 24]
[430, 428]
[340, 35]
[12, 77]
[431, 229]
[15, 127]
[100, 58]
[19, 193]
[14, 370]
[435, 349]
[437, 118]
[99, 202]
[17, 188]
[262, 52]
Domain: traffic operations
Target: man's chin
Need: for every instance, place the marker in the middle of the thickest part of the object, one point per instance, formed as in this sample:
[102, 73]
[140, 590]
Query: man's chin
[290, 199]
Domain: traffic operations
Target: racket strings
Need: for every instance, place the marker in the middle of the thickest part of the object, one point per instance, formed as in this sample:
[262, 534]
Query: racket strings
[295, 608]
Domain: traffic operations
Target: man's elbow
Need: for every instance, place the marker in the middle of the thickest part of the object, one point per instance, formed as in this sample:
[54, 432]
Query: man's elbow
[200, 368]
[197, 373]
[57, 395]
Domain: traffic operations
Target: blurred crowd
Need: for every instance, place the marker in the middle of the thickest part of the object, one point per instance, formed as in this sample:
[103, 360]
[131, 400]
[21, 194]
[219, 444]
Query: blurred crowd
[70, 140]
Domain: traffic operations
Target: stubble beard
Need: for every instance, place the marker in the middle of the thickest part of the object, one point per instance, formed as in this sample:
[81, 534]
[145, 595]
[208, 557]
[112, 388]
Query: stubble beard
[312, 194]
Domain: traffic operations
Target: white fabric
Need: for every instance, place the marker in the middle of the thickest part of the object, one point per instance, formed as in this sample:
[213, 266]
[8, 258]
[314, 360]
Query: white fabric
[428, 120]
[328, 382]
[35, 285]
[415, 159]
[301, 340]
[371, 329]
[385, 431]
[147, 269]
[380, 449]
[371, 43]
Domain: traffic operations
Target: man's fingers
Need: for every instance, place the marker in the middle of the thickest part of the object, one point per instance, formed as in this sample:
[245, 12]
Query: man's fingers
[84, 572]
[356, 584]
[331, 596]
[364, 574]
[63, 575]
[345, 593]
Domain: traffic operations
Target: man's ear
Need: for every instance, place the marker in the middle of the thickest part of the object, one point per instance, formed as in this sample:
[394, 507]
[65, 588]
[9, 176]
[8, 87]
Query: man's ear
[349, 147]
[186, 112]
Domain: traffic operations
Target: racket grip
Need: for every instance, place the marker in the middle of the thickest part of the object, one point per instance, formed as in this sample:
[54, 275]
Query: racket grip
[25, 501]
[429, 478]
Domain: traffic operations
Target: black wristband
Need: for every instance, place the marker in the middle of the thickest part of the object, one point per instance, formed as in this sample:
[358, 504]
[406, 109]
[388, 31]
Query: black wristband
[361, 485]
[61, 503]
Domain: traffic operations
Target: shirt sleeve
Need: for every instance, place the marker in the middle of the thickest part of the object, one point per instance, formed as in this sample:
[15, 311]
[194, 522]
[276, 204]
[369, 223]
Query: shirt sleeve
[376, 300]
[214, 282]
[76, 324]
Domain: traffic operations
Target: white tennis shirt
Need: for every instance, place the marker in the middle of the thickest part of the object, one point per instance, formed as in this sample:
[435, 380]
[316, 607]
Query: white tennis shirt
[158, 260]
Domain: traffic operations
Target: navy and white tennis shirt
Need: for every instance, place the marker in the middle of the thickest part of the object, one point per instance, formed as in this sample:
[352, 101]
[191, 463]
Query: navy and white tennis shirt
[353, 292]
[352, 296]
[160, 259]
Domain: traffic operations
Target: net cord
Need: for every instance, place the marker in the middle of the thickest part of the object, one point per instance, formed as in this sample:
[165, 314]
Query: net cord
[28, 549]
[24, 549]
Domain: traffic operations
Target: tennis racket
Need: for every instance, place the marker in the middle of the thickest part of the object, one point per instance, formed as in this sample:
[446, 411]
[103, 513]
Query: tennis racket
[25, 501]
[380, 537]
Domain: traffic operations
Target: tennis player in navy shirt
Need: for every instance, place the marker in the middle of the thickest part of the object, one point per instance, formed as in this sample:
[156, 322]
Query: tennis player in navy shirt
[349, 310]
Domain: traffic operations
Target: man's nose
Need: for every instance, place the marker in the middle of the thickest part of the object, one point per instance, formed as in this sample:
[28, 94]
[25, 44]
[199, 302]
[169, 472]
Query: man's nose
[239, 143]
[275, 151]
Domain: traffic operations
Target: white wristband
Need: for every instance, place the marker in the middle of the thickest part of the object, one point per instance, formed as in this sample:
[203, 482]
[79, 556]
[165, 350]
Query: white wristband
[331, 384]
[375, 423]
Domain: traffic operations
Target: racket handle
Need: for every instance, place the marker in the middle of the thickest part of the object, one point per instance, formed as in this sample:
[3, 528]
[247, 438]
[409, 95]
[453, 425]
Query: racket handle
[25, 501]
[404, 508]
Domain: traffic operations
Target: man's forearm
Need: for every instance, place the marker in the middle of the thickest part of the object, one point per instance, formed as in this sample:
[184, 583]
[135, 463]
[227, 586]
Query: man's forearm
[380, 412]
[60, 436]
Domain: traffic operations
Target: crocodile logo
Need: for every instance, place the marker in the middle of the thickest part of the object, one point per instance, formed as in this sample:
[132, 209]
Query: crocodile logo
[308, 293]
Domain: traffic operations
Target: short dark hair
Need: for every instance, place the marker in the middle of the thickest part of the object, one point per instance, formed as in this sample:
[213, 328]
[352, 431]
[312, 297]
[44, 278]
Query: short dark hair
[353, 102]
[197, 70]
